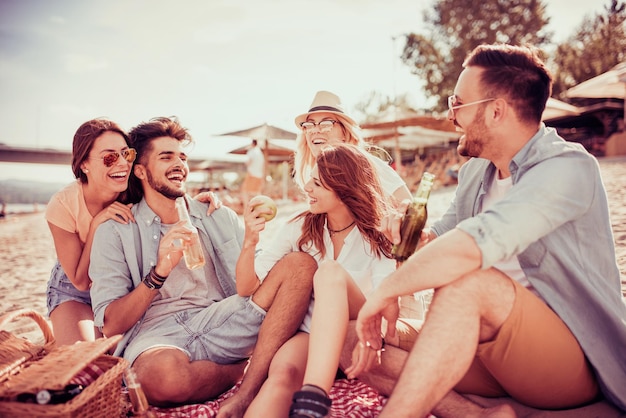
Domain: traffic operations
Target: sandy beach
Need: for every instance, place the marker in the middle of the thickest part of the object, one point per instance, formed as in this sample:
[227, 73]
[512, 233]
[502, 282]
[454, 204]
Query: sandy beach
[27, 251]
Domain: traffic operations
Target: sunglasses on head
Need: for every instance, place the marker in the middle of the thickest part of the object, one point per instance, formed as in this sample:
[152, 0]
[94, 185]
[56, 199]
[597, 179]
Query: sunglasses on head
[111, 158]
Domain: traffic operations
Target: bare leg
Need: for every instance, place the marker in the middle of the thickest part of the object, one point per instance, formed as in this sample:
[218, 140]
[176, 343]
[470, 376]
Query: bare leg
[73, 321]
[285, 294]
[464, 313]
[337, 300]
[383, 378]
[285, 377]
[169, 378]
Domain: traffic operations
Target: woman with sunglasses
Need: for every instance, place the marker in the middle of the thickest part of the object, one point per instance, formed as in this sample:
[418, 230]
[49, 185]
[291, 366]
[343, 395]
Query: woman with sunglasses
[326, 123]
[101, 163]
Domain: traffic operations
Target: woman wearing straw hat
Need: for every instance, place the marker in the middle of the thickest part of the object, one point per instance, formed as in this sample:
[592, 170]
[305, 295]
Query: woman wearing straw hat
[326, 123]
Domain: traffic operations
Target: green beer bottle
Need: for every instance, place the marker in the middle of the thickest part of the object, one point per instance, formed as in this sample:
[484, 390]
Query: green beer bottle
[414, 220]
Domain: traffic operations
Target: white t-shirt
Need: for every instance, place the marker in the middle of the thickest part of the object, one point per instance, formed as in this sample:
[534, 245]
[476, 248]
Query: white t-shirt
[256, 162]
[510, 266]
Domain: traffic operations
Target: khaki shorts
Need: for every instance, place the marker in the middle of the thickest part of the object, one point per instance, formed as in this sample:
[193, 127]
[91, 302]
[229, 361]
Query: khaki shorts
[535, 359]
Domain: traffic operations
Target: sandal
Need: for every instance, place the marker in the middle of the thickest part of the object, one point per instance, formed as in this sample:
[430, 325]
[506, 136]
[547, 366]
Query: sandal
[309, 404]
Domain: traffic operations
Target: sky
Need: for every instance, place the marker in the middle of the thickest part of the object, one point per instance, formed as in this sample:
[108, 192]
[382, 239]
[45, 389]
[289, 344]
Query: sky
[218, 65]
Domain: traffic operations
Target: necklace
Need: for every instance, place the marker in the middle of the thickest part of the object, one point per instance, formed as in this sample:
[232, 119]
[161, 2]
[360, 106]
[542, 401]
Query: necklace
[336, 231]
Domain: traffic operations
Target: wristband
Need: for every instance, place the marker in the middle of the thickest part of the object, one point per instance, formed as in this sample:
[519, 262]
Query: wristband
[156, 276]
[152, 285]
[155, 279]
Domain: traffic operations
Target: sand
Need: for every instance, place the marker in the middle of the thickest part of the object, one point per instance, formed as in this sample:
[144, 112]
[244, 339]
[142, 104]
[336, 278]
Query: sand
[27, 251]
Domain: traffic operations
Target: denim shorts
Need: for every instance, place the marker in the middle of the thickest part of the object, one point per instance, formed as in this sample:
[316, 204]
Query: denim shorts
[61, 289]
[225, 332]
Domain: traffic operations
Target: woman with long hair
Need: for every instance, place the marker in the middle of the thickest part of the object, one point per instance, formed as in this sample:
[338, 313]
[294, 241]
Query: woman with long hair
[340, 230]
[101, 163]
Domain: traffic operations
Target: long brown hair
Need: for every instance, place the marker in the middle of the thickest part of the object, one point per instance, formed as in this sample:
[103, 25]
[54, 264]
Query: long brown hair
[346, 170]
[84, 139]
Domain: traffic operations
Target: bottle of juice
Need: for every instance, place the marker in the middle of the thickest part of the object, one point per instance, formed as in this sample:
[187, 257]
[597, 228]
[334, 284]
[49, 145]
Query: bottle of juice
[192, 251]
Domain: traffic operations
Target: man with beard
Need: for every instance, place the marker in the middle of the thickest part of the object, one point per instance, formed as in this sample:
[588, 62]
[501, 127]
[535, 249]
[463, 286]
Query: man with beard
[527, 299]
[186, 332]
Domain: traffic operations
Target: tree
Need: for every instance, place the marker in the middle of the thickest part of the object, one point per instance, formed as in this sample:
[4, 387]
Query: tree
[598, 45]
[455, 27]
[375, 103]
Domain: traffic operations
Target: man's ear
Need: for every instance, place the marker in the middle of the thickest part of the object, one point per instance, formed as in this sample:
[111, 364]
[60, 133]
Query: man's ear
[500, 108]
[140, 171]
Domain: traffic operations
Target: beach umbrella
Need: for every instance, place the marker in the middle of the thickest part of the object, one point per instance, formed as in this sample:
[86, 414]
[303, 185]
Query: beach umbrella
[556, 109]
[608, 85]
[266, 134]
[278, 150]
[263, 134]
[393, 118]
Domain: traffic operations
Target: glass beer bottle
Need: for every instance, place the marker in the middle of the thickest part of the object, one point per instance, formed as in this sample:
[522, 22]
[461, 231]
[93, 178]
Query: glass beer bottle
[192, 251]
[414, 220]
[138, 400]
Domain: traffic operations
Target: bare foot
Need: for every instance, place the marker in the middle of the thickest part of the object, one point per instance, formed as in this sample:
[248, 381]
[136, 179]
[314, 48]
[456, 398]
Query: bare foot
[234, 407]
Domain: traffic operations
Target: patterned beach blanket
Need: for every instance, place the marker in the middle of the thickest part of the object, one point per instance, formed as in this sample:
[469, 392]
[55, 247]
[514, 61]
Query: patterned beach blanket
[351, 399]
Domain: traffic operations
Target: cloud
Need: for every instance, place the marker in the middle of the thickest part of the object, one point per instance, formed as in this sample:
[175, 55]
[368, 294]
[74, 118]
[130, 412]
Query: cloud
[82, 63]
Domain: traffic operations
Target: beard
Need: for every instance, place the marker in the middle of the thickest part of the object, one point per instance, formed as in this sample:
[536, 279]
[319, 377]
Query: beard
[166, 190]
[476, 136]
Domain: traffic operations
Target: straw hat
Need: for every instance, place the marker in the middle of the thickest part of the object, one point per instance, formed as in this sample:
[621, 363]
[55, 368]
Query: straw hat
[326, 102]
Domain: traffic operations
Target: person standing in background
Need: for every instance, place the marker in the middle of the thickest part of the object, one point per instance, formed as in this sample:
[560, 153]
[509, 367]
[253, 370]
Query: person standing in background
[255, 171]
[101, 162]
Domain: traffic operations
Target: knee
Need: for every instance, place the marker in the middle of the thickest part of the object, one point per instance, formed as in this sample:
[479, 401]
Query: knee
[330, 274]
[287, 374]
[166, 382]
[298, 261]
[299, 265]
[480, 288]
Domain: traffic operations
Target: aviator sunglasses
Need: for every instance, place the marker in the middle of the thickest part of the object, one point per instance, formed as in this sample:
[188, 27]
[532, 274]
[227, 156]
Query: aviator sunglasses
[111, 158]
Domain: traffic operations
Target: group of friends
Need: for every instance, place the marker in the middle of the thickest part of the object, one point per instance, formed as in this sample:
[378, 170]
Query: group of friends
[527, 300]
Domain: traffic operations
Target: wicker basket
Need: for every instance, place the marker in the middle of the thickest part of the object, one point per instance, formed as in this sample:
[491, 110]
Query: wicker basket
[27, 368]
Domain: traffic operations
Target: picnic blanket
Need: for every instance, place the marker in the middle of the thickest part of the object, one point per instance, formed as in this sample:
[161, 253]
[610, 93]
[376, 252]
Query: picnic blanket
[355, 399]
[351, 399]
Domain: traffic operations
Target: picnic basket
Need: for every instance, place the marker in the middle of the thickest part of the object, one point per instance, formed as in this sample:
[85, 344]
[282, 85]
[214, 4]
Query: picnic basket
[26, 367]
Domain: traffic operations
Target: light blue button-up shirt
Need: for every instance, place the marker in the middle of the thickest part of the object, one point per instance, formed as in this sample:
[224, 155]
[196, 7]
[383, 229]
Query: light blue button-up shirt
[122, 254]
[555, 219]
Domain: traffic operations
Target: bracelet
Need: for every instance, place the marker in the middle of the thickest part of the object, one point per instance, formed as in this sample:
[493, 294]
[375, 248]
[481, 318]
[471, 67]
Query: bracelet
[152, 285]
[155, 275]
[155, 279]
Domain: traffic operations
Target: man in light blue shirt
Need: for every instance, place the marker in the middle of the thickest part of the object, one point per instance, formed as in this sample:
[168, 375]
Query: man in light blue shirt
[528, 301]
[186, 332]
